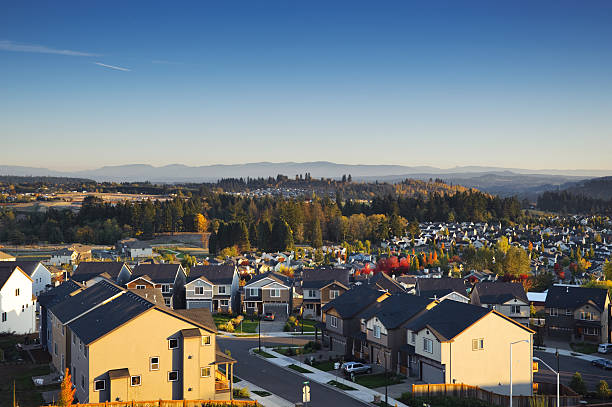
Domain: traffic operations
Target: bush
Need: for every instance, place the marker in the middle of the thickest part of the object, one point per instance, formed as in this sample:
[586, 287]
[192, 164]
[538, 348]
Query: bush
[291, 320]
[603, 391]
[288, 327]
[236, 321]
[242, 393]
[229, 327]
[577, 384]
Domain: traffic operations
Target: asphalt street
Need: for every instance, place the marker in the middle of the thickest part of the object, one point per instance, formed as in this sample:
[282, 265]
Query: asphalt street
[568, 366]
[281, 382]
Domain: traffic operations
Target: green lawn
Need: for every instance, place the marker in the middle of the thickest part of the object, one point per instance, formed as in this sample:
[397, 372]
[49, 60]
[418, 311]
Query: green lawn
[373, 381]
[264, 354]
[309, 325]
[248, 326]
[298, 368]
[325, 365]
[339, 385]
[26, 393]
[587, 348]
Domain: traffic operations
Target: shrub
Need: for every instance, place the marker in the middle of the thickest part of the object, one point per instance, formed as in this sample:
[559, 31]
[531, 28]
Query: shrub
[577, 384]
[603, 391]
[229, 327]
[291, 320]
[242, 393]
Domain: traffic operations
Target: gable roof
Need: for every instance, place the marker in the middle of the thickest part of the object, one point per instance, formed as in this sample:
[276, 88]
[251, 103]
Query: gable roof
[6, 256]
[87, 270]
[109, 316]
[437, 294]
[448, 319]
[274, 276]
[216, 274]
[321, 277]
[6, 271]
[383, 281]
[58, 293]
[158, 273]
[79, 303]
[574, 297]
[500, 292]
[152, 294]
[201, 316]
[396, 309]
[29, 266]
[430, 284]
[353, 301]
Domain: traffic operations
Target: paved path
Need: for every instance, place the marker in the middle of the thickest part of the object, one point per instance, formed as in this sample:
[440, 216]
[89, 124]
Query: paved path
[362, 393]
[284, 383]
[267, 401]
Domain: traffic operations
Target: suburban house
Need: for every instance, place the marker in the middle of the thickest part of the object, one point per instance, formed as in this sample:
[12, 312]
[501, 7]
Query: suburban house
[455, 342]
[125, 348]
[578, 313]
[134, 248]
[268, 292]
[17, 303]
[63, 256]
[169, 277]
[342, 323]
[46, 300]
[7, 257]
[383, 282]
[383, 326]
[320, 287]
[40, 275]
[442, 289]
[90, 272]
[509, 299]
[67, 310]
[214, 287]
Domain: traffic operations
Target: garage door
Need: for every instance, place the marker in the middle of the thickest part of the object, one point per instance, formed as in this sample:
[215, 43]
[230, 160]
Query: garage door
[198, 304]
[431, 374]
[279, 309]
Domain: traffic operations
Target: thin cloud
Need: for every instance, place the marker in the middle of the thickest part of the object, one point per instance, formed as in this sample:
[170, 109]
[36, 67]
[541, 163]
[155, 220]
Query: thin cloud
[6, 45]
[118, 68]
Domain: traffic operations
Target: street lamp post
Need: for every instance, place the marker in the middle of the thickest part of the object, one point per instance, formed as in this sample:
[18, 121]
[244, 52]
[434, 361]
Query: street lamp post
[554, 371]
[386, 378]
[513, 343]
[259, 333]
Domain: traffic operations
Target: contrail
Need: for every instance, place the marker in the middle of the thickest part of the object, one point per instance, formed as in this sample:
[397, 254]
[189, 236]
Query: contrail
[118, 68]
[41, 49]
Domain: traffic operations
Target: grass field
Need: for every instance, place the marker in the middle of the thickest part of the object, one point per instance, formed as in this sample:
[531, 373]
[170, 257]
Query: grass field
[298, 368]
[373, 381]
[264, 354]
[340, 385]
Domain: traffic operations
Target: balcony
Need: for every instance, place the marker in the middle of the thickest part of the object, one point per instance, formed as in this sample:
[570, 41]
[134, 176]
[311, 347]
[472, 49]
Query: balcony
[222, 384]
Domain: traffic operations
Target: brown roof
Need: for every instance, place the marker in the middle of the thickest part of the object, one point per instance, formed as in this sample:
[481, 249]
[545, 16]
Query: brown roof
[118, 373]
[221, 358]
[152, 294]
[199, 316]
[191, 333]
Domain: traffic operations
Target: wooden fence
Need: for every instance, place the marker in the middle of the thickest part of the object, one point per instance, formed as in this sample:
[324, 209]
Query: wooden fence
[474, 392]
[173, 403]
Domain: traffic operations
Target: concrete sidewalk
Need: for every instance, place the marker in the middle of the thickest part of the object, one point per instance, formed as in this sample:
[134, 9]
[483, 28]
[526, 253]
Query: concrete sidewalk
[360, 393]
[570, 353]
[267, 401]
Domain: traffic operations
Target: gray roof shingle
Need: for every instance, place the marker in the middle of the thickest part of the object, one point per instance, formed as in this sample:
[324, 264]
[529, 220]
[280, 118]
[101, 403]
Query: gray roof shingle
[396, 309]
[74, 306]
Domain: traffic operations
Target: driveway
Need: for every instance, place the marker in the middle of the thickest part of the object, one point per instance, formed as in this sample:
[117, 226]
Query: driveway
[273, 326]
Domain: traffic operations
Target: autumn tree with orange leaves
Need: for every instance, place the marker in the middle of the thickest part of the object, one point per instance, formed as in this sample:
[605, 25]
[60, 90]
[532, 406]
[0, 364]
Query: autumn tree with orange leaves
[66, 395]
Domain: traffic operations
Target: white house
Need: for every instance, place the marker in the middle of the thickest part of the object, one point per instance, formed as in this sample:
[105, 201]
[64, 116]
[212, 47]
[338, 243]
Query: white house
[214, 287]
[40, 275]
[17, 305]
[63, 256]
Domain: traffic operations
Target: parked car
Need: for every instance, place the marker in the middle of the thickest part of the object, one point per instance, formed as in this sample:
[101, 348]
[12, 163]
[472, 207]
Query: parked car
[604, 348]
[349, 368]
[603, 363]
[269, 316]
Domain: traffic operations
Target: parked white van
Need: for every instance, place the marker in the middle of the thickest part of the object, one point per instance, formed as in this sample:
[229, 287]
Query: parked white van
[604, 348]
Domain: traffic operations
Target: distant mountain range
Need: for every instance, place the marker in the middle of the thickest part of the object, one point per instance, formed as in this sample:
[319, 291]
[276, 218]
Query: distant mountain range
[501, 181]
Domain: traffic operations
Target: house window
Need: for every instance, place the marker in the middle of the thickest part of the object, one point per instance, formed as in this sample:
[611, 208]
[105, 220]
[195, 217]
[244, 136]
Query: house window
[586, 316]
[172, 343]
[568, 311]
[333, 321]
[85, 351]
[224, 303]
[135, 381]
[99, 385]
[82, 381]
[413, 337]
[199, 290]
[140, 287]
[165, 288]
[206, 340]
[167, 302]
[515, 309]
[591, 331]
[275, 292]
[427, 345]
[17, 292]
[4, 317]
[250, 305]
[154, 363]
[173, 376]
[333, 294]
[478, 344]
[553, 312]
[55, 348]
[311, 293]
[221, 289]
[377, 331]
[205, 372]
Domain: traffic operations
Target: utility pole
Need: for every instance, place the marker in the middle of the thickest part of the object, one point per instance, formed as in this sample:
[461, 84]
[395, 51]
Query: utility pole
[259, 333]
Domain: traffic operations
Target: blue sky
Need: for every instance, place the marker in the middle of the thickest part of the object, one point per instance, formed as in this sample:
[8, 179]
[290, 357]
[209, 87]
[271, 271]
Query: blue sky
[513, 84]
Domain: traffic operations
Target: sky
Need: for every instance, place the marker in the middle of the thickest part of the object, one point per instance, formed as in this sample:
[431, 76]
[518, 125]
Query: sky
[85, 84]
